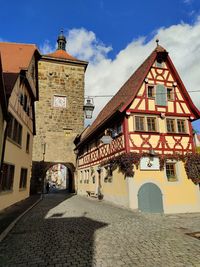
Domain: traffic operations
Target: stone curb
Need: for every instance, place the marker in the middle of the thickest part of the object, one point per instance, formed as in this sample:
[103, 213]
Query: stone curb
[12, 224]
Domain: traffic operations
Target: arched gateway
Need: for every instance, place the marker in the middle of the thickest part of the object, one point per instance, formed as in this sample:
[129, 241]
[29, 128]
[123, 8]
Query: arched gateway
[49, 171]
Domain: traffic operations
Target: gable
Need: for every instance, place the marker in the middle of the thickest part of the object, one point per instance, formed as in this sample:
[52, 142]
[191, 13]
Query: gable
[162, 91]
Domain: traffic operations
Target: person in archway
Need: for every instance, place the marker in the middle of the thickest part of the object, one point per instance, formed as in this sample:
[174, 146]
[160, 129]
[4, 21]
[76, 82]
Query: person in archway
[47, 187]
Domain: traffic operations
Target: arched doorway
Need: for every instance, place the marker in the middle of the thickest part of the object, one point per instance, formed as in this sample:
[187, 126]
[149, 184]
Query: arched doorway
[150, 198]
[60, 177]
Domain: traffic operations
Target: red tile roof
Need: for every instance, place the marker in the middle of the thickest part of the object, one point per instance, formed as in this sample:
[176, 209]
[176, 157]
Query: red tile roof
[128, 91]
[62, 55]
[16, 57]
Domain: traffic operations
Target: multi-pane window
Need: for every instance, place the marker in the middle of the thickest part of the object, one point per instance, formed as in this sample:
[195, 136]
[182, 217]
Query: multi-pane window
[150, 91]
[170, 125]
[6, 182]
[145, 123]
[151, 124]
[170, 94]
[139, 123]
[176, 125]
[23, 178]
[27, 142]
[171, 172]
[14, 130]
[181, 126]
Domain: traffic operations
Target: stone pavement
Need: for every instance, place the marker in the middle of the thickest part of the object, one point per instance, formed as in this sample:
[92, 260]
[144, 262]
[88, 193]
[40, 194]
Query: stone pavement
[10, 214]
[78, 231]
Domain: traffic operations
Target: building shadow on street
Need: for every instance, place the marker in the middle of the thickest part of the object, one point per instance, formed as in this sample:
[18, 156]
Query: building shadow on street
[50, 236]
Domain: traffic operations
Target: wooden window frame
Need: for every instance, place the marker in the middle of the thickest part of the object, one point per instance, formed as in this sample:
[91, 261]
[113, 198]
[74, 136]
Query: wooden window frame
[176, 128]
[7, 177]
[15, 130]
[145, 118]
[174, 125]
[155, 122]
[171, 98]
[153, 91]
[23, 178]
[184, 126]
[171, 168]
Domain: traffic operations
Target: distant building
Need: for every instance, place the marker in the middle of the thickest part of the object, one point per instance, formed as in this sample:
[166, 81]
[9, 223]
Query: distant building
[59, 112]
[20, 73]
[151, 117]
[197, 141]
[3, 116]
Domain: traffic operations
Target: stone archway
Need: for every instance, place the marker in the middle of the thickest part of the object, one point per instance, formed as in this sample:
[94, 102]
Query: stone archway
[150, 198]
[39, 170]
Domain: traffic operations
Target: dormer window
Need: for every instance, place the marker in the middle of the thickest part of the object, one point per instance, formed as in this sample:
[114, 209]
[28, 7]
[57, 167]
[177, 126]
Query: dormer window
[151, 91]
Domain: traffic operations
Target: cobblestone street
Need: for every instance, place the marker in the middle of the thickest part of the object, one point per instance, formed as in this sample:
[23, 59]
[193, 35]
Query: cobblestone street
[78, 231]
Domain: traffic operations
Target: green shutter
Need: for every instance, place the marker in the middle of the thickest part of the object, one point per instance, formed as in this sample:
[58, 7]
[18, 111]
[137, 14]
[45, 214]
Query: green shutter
[161, 96]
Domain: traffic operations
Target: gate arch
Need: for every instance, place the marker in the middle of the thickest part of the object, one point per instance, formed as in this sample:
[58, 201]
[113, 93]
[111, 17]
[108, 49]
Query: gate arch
[39, 170]
[150, 198]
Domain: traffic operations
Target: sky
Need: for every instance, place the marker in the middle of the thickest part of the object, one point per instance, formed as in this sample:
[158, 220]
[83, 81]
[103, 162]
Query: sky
[114, 36]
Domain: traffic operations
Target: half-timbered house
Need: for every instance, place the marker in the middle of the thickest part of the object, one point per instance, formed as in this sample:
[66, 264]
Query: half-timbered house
[150, 117]
[20, 75]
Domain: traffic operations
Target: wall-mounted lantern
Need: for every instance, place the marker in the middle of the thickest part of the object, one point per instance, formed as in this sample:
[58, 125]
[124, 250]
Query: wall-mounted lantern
[88, 108]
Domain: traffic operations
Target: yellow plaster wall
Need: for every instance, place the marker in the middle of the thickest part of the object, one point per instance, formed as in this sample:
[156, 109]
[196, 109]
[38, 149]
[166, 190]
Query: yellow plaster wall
[170, 106]
[180, 196]
[17, 155]
[185, 108]
[151, 104]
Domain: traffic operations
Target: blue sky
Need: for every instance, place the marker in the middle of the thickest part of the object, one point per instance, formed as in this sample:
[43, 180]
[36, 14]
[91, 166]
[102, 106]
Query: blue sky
[114, 36]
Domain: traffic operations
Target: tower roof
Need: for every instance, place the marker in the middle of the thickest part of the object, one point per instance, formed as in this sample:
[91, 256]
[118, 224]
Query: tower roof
[61, 53]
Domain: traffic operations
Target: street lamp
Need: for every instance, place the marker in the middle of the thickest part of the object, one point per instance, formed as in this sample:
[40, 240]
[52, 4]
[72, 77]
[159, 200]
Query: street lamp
[88, 108]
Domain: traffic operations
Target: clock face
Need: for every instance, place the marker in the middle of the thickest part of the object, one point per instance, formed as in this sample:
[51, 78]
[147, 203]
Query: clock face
[60, 101]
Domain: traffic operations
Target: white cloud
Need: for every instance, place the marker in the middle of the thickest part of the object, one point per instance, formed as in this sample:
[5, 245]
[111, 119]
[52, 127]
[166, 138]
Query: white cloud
[85, 45]
[46, 48]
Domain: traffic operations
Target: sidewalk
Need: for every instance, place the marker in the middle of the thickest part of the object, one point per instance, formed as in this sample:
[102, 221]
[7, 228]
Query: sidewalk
[10, 214]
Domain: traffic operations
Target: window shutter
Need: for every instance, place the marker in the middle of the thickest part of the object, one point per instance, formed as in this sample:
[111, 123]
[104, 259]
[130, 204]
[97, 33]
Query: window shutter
[161, 96]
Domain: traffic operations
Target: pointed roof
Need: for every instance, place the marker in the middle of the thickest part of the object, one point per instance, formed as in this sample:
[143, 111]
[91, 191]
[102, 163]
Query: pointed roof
[62, 54]
[129, 90]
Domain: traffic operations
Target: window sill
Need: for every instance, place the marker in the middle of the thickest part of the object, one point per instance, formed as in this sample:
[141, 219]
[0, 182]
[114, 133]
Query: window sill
[5, 192]
[178, 134]
[147, 132]
[172, 179]
[22, 189]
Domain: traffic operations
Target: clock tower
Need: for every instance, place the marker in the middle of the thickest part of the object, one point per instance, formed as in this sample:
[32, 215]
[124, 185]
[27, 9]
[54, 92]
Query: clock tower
[59, 111]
